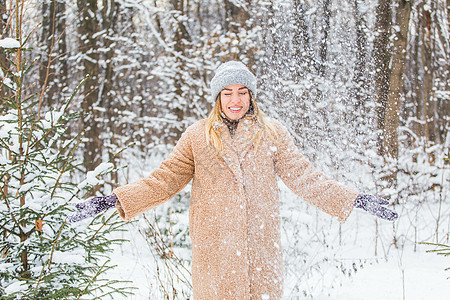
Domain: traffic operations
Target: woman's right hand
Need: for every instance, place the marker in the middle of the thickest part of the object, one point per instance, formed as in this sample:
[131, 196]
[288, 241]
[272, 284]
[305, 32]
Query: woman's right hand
[92, 207]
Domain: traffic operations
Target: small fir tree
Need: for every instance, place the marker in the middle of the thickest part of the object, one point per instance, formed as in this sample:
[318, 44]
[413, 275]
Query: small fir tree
[43, 257]
[440, 249]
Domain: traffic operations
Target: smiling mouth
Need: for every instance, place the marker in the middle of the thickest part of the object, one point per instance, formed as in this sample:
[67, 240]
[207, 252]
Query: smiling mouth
[235, 109]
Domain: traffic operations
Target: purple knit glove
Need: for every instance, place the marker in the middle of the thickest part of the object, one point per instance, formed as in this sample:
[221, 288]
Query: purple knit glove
[374, 205]
[92, 207]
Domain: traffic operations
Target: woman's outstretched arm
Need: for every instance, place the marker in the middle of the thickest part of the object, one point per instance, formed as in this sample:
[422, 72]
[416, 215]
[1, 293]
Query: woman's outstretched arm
[132, 199]
[316, 188]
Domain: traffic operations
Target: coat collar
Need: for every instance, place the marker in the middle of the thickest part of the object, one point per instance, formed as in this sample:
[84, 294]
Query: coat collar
[236, 149]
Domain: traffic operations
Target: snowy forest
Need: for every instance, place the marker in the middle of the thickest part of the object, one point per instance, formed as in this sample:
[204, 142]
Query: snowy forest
[95, 94]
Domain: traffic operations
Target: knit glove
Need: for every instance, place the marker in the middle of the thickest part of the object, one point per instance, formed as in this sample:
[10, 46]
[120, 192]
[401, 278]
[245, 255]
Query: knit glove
[92, 207]
[374, 205]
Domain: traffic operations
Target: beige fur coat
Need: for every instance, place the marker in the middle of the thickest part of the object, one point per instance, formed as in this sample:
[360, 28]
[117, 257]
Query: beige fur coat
[234, 217]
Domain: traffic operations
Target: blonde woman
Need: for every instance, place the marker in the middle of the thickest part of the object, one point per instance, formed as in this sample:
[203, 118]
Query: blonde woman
[233, 159]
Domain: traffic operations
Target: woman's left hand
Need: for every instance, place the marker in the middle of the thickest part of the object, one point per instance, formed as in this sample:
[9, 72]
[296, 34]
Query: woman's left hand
[375, 206]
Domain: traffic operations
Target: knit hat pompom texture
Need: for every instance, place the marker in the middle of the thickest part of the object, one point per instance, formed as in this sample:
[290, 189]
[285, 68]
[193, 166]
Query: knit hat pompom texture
[232, 72]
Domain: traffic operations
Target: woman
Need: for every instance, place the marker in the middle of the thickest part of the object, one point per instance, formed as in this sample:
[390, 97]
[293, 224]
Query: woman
[233, 158]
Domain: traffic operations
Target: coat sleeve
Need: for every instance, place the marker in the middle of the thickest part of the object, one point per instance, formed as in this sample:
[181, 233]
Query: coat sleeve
[310, 184]
[171, 177]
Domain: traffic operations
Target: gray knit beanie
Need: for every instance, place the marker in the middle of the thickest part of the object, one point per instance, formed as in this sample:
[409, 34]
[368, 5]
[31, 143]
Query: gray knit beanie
[232, 72]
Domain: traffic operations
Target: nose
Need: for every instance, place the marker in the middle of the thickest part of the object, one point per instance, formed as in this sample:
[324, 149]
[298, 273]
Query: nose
[235, 97]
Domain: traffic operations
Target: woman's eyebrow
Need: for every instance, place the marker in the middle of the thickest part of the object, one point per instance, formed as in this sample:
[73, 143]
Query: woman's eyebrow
[241, 88]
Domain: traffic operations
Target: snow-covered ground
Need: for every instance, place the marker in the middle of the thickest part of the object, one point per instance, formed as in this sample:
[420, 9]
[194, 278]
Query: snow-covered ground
[415, 276]
[412, 276]
[406, 274]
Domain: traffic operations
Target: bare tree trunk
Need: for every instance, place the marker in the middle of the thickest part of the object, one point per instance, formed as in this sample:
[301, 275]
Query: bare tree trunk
[303, 52]
[182, 44]
[440, 51]
[394, 100]
[323, 51]
[306, 61]
[429, 72]
[427, 108]
[361, 85]
[110, 13]
[87, 29]
[382, 58]
[54, 61]
[443, 105]
[237, 16]
[158, 22]
[181, 33]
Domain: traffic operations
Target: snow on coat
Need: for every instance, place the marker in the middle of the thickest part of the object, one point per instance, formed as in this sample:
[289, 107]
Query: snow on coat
[234, 219]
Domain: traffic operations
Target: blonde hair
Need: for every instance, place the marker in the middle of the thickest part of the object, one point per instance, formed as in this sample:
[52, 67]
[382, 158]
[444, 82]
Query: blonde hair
[215, 117]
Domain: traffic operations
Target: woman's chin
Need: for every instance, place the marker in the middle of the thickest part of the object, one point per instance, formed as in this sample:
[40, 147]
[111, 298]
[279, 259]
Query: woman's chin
[234, 116]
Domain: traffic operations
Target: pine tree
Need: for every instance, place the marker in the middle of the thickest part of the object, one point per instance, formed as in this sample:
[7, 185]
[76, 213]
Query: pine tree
[41, 255]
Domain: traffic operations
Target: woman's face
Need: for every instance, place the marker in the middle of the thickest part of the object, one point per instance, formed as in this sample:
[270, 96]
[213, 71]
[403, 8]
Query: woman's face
[235, 101]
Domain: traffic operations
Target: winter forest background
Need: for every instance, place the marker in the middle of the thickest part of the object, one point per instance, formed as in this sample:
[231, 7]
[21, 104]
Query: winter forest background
[94, 94]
